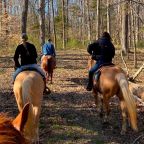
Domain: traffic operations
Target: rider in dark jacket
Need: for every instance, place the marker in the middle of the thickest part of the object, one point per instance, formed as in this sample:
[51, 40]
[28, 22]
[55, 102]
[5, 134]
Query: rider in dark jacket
[102, 51]
[25, 58]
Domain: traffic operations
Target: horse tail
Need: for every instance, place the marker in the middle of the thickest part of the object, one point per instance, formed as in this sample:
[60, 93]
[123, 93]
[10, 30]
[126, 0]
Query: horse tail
[49, 63]
[129, 99]
[26, 90]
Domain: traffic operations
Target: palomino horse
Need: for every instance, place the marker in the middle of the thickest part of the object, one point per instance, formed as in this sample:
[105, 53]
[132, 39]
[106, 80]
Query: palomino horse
[48, 65]
[113, 81]
[11, 130]
[29, 87]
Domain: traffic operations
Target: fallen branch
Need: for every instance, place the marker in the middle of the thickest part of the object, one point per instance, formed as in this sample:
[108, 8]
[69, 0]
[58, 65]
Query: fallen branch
[139, 100]
[138, 72]
[127, 70]
[137, 91]
[139, 137]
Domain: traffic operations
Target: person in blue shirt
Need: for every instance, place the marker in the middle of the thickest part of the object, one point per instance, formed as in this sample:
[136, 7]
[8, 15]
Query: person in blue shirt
[49, 49]
[103, 51]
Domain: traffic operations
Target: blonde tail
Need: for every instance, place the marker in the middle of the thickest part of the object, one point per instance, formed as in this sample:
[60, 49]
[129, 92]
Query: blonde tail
[129, 99]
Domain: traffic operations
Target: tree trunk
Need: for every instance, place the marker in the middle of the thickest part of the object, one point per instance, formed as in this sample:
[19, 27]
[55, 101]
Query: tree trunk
[54, 30]
[124, 41]
[63, 23]
[0, 17]
[24, 16]
[49, 19]
[137, 23]
[42, 21]
[108, 16]
[83, 20]
[88, 22]
[98, 20]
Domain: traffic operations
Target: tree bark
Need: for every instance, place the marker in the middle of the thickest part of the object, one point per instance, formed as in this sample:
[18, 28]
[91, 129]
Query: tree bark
[98, 20]
[63, 23]
[108, 16]
[124, 41]
[24, 16]
[54, 29]
[88, 21]
[42, 21]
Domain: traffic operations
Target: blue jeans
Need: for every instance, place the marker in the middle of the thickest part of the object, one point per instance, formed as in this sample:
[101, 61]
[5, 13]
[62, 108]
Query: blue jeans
[29, 67]
[92, 71]
[95, 67]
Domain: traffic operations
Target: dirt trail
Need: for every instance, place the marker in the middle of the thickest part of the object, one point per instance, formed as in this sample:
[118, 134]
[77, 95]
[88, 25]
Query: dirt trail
[68, 113]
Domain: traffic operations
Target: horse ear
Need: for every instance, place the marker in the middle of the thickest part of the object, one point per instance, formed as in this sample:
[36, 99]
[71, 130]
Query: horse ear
[20, 121]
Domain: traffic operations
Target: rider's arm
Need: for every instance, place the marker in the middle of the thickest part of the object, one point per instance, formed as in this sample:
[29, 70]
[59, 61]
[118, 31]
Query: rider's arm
[44, 49]
[54, 52]
[16, 57]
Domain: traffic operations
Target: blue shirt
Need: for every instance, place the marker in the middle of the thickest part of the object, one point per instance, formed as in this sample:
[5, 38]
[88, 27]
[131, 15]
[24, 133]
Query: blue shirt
[48, 49]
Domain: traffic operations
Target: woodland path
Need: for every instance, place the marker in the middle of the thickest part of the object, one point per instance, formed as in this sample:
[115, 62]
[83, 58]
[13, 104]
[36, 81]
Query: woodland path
[68, 113]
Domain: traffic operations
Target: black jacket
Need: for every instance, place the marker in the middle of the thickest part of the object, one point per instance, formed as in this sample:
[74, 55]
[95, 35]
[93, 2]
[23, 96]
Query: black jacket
[107, 49]
[102, 49]
[27, 54]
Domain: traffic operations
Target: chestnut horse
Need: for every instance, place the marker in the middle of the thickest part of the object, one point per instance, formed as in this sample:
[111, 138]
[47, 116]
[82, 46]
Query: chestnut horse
[29, 87]
[113, 81]
[11, 130]
[48, 65]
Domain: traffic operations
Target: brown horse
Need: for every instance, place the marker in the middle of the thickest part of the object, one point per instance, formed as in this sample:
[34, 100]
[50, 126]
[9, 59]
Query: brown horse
[29, 87]
[113, 81]
[11, 130]
[48, 65]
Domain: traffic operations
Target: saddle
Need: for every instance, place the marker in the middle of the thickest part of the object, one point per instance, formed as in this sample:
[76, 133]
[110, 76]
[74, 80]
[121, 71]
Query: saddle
[98, 72]
[30, 68]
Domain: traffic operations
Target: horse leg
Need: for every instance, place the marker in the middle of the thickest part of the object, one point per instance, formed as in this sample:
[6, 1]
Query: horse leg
[98, 102]
[124, 116]
[123, 112]
[51, 77]
[47, 77]
[95, 93]
[106, 108]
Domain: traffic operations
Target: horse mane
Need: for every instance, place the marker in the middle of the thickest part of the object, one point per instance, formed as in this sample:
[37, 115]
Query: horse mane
[8, 134]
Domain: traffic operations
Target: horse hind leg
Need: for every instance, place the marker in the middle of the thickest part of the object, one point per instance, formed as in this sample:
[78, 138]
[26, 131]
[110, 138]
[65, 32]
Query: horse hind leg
[98, 102]
[51, 75]
[105, 109]
[124, 116]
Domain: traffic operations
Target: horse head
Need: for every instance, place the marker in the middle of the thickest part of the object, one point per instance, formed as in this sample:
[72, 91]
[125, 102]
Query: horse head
[11, 131]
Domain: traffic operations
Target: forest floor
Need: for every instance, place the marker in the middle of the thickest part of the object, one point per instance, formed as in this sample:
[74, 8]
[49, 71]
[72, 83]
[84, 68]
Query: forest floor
[68, 114]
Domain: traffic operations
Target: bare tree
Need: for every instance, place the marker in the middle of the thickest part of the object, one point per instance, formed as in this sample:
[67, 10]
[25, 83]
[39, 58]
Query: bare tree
[98, 20]
[24, 16]
[0, 17]
[108, 16]
[42, 21]
[63, 23]
[88, 21]
[124, 40]
[54, 29]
